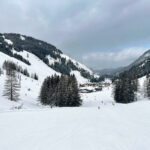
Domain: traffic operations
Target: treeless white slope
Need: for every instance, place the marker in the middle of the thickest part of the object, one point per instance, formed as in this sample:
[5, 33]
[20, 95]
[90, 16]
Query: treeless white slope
[119, 127]
[98, 99]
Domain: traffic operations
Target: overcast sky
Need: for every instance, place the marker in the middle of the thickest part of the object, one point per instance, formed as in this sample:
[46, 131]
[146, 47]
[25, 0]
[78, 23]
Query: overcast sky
[99, 33]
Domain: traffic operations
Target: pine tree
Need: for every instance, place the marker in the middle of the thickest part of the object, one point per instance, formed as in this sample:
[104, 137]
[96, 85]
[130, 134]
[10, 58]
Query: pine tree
[118, 90]
[60, 91]
[124, 90]
[12, 86]
[26, 73]
[35, 76]
[75, 92]
[44, 91]
[70, 94]
[148, 86]
[53, 87]
[1, 72]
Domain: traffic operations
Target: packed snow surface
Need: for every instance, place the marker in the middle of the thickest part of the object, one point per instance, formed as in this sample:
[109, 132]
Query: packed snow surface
[118, 127]
[99, 124]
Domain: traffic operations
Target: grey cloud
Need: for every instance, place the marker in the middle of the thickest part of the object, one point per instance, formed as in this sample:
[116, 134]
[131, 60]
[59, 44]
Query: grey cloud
[80, 27]
[115, 58]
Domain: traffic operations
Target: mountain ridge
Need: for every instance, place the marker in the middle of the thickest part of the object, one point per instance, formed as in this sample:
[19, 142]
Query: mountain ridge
[48, 53]
[140, 67]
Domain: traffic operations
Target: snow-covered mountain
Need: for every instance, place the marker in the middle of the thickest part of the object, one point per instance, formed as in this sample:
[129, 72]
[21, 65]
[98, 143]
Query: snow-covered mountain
[30, 88]
[139, 67]
[109, 71]
[144, 58]
[27, 50]
[37, 57]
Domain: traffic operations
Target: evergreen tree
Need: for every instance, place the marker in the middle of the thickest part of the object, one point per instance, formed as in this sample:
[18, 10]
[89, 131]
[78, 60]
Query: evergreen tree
[36, 76]
[124, 90]
[26, 73]
[118, 90]
[76, 100]
[144, 89]
[1, 72]
[44, 91]
[148, 86]
[60, 91]
[52, 95]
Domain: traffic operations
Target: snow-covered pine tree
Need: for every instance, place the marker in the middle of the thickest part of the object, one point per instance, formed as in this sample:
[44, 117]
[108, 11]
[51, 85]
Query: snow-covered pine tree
[62, 91]
[53, 90]
[26, 73]
[43, 97]
[75, 92]
[36, 76]
[12, 86]
[148, 86]
[70, 93]
[118, 90]
[144, 89]
[1, 71]
[48, 91]
[124, 91]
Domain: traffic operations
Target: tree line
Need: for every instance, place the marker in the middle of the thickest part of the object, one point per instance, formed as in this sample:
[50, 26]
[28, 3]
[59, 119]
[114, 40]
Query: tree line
[126, 87]
[9, 64]
[60, 91]
[147, 86]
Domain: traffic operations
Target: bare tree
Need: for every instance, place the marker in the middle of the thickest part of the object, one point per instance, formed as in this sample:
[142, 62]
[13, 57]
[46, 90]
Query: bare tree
[12, 86]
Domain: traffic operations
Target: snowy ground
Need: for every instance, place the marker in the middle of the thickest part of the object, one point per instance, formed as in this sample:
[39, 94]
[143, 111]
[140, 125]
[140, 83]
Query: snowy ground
[100, 124]
[119, 127]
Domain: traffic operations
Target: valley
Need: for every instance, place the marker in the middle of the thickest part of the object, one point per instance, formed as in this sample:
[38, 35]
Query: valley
[98, 121]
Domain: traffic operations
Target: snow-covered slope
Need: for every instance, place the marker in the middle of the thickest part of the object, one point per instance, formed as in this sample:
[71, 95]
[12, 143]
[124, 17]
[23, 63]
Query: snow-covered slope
[30, 88]
[49, 54]
[77, 64]
[37, 66]
[141, 59]
[139, 67]
[116, 127]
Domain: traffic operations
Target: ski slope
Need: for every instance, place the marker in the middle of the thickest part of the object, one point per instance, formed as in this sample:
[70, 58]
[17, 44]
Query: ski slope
[99, 124]
[118, 127]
